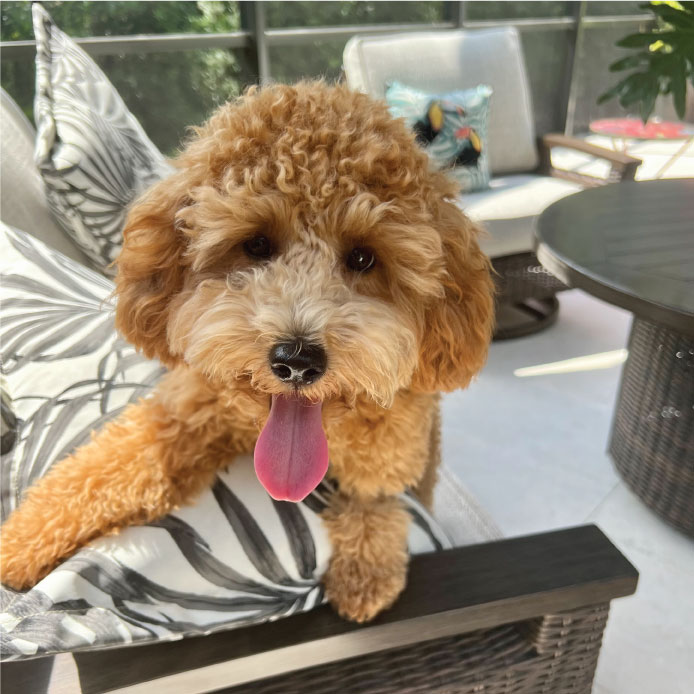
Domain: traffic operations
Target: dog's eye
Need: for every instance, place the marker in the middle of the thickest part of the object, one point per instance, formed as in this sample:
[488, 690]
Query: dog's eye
[258, 247]
[361, 259]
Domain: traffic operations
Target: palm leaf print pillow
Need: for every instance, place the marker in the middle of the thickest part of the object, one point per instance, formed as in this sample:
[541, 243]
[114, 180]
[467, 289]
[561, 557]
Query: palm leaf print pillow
[92, 154]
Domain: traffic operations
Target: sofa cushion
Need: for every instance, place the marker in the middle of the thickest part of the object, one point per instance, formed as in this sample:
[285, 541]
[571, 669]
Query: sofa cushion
[22, 198]
[93, 155]
[444, 61]
[508, 208]
[233, 558]
[452, 127]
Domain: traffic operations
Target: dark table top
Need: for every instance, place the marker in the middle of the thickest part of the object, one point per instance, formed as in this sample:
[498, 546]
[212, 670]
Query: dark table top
[631, 244]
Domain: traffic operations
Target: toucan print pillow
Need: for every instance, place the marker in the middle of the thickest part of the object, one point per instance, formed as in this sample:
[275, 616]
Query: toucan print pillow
[452, 127]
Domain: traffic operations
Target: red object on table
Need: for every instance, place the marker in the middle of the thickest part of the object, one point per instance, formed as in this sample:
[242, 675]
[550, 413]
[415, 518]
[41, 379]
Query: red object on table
[635, 128]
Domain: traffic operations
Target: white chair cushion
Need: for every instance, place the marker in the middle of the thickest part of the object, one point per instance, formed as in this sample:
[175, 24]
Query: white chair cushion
[452, 60]
[508, 208]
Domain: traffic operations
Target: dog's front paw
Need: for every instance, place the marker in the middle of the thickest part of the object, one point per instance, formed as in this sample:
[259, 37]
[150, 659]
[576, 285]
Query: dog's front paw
[359, 591]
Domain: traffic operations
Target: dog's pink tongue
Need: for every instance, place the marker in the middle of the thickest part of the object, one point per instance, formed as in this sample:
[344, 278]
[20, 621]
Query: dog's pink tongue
[291, 454]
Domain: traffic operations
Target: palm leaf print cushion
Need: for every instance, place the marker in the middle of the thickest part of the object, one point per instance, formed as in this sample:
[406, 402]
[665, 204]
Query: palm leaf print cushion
[91, 152]
[235, 557]
[451, 127]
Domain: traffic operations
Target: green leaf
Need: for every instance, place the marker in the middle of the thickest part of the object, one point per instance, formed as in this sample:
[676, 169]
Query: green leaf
[648, 104]
[630, 61]
[639, 87]
[612, 92]
[630, 98]
[663, 64]
[677, 18]
[678, 85]
[680, 37]
[638, 40]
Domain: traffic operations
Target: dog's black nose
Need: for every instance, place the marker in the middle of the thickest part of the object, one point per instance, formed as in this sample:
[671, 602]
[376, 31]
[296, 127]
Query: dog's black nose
[298, 362]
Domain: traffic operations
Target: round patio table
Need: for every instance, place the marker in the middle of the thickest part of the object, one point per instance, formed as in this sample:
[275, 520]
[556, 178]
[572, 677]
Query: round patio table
[632, 244]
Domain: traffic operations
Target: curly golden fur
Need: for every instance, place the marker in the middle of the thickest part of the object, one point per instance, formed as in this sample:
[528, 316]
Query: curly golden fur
[318, 170]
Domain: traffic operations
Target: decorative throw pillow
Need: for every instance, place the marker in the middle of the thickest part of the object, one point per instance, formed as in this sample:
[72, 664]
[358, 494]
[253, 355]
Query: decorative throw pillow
[92, 154]
[235, 557]
[452, 127]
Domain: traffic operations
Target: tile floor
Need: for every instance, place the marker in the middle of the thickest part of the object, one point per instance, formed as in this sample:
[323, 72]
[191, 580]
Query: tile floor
[533, 452]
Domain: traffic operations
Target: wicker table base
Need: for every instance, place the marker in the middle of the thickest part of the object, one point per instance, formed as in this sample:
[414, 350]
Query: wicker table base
[652, 440]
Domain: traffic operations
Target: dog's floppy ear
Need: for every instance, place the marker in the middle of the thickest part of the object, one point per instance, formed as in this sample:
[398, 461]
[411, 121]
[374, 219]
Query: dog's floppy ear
[457, 327]
[150, 270]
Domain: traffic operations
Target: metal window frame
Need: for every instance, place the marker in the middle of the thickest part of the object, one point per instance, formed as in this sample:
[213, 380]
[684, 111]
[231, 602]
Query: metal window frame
[256, 39]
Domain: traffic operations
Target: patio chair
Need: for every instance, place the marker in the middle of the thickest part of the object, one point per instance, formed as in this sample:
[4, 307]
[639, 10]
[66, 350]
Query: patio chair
[524, 181]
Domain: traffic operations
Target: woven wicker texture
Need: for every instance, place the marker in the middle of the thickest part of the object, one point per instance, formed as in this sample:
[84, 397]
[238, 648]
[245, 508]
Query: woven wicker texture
[521, 277]
[555, 654]
[652, 440]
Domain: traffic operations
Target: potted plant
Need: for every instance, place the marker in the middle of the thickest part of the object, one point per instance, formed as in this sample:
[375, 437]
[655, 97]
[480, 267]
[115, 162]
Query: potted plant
[663, 62]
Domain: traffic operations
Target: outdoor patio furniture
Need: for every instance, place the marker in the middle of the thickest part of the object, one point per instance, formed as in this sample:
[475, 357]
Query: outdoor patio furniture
[633, 246]
[520, 616]
[524, 181]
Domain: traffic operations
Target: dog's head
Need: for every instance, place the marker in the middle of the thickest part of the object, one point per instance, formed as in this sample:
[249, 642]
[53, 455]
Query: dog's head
[304, 247]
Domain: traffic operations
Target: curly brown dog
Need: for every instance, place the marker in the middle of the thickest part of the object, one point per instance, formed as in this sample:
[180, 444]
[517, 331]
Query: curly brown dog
[303, 274]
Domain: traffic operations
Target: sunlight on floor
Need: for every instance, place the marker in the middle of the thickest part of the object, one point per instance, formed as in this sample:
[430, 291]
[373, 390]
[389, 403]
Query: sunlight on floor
[589, 362]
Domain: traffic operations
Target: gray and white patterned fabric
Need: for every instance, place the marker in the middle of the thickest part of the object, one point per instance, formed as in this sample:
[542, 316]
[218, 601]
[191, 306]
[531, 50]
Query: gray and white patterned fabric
[235, 557]
[92, 154]
[8, 419]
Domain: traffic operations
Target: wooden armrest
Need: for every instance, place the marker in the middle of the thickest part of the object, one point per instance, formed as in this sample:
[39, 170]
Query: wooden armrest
[623, 166]
[448, 593]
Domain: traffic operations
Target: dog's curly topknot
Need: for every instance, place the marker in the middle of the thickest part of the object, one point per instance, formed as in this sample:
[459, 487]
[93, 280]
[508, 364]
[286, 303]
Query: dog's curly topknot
[312, 139]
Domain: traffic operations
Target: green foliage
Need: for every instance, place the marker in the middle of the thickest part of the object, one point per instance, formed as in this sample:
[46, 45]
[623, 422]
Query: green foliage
[511, 9]
[663, 62]
[107, 18]
[324, 58]
[166, 91]
[314, 14]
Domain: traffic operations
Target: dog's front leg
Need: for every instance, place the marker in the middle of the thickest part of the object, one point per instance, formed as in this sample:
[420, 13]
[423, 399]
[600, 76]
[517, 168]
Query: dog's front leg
[138, 468]
[368, 568]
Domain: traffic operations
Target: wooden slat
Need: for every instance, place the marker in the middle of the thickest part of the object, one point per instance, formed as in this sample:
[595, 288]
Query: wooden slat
[448, 593]
[558, 140]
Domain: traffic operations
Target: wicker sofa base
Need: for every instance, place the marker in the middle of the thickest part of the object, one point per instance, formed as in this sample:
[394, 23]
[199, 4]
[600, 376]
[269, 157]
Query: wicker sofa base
[652, 441]
[521, 276]
[556, 654]
[526, 301]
